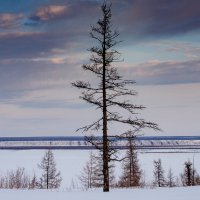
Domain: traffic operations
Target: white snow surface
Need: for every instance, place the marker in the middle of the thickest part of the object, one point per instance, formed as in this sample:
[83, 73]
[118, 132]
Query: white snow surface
[70, 163]
[182, 193]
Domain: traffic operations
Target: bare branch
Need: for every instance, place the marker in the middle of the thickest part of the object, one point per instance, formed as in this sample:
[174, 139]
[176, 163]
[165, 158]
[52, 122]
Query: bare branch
[94, 126]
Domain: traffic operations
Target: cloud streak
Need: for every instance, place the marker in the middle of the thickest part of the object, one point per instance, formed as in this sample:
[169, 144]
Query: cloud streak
[164, 72]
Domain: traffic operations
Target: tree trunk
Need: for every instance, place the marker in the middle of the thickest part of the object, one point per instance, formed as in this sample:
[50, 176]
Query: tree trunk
[105, 135]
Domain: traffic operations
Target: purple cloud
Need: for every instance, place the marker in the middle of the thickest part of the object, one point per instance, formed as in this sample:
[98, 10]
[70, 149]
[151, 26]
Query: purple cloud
[168, 72]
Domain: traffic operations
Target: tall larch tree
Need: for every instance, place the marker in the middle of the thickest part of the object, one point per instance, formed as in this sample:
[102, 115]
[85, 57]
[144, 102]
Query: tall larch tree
[131, 172]
[87, 174]
[159, 178]
[50, 178]
[171, 179]
[110, 94]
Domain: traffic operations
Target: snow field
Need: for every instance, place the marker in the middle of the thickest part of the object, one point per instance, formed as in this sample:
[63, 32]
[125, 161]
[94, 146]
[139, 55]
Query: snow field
[189, 193]
[71, 162]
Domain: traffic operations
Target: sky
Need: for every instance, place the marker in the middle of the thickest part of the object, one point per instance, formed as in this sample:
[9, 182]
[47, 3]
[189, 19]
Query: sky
[44, 43]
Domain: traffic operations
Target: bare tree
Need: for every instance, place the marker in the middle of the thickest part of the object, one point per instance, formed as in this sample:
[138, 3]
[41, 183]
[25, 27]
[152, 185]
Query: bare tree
[186, 176]
[33, 182]
[92, 175]
[159, 179]
[98, 178]
[131, 170]
[196, 179]
[189, 177]
[171, 179]
[50, 177]
[87, 174]
[111, 93]
[73, 185]
[15, 179]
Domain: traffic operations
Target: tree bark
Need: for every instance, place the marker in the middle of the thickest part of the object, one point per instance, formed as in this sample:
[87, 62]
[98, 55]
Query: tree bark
[105, 135]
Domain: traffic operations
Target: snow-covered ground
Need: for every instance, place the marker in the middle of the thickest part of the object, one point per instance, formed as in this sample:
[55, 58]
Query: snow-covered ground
[187, 193]
[71, 162]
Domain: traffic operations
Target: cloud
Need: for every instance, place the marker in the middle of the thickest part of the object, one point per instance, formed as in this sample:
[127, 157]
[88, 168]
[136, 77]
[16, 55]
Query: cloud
[57, 60]
[61, 97]
[50, 12]
[144, 18]
[37, 53]
[9, 20]
[139, 18]
[164, 72]
[191, 51]
[136, 19]
[31, 44]
[53, 60]
[41, 72]
[66, 14]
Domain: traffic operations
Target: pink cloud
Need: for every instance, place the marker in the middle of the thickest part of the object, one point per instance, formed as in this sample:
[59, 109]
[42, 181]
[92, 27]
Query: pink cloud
[8, 20]
[50, 12]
